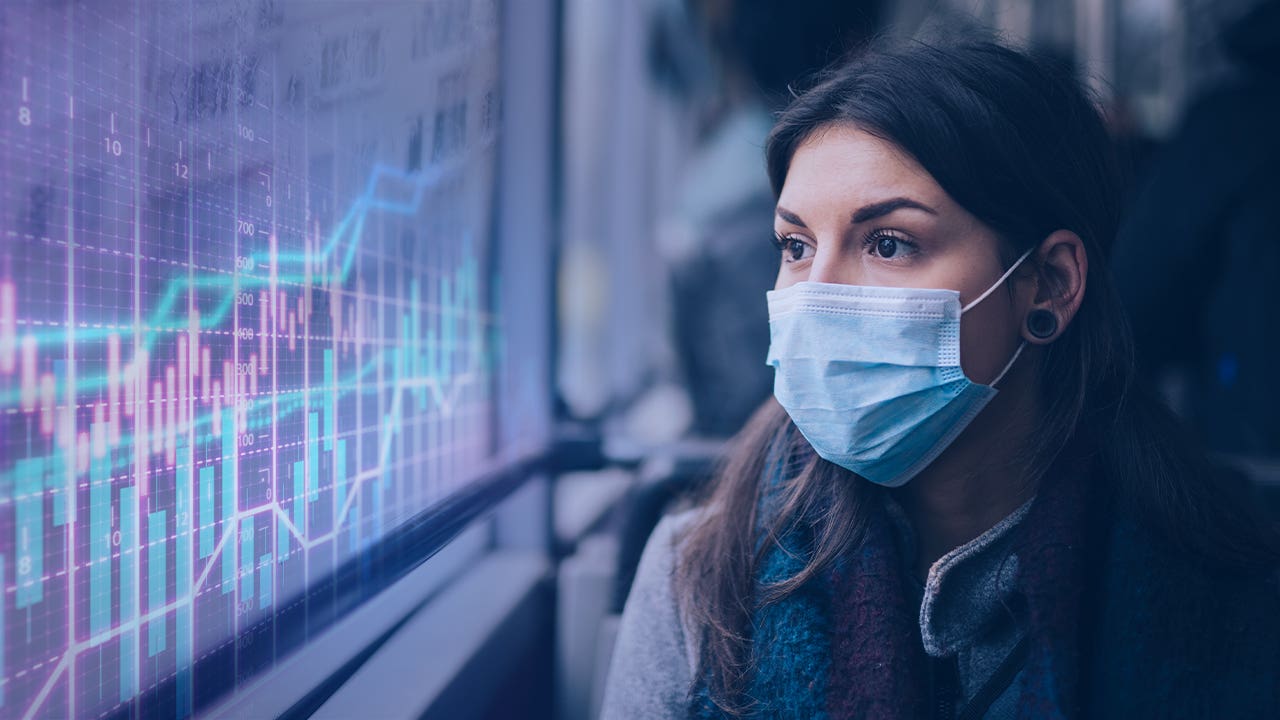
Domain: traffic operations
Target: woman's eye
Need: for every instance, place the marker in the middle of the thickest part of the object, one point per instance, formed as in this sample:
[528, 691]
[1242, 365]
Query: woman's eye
[796, 250]
[792, 249]
[888, 247]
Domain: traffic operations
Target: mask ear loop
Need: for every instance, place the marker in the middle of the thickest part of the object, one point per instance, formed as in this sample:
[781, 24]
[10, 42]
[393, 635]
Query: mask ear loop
[1009, 365]
[998, 283]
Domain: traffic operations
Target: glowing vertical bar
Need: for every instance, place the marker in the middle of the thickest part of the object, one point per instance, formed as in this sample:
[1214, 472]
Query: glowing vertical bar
[415, 326]
[98, 431]
[215, 415]
[230, 489]
[180, 398]
[228, 383]
[30, 368]
[330, 411]
[185, 581]
[299, 498]
[128, 592]
[99, 542]
[193, 333]
[58, 487]
[82, 448]
[8, 327]
[340, 480]
[29, 491]
[171, 416]
[158, 406]
[431, 348]
[313, 456]
[48, 396]
[157, 580]
[128, 387]
[282, 541]
[205, 369]
[207, 520]
[113, 388]
[141, 458]
[264, 582]
[262, 330]
[246, 559]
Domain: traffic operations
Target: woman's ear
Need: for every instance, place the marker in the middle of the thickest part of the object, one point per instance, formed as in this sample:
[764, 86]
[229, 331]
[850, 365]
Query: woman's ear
[1061, 268]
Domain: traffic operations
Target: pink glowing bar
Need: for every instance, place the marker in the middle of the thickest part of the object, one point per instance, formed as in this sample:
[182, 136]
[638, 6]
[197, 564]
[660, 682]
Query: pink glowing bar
[48, 393]
[262, 332]
[8, 327]
[204, 374]
[157, 417]
[352, 327]
[29, 368]
[126, 379]
[253, 376]
[217, 409]
[228, 382]
[170, 415]
[183, 380]
[98, 430]
[141, 458]
[336, 310]
[194, 335]
[82, 452]
[64, 427]
[279, 311]
[273, 254]
[293, 334]
[113, 388]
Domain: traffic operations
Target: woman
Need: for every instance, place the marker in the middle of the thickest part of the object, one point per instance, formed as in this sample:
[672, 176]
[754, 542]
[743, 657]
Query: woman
[961, 503]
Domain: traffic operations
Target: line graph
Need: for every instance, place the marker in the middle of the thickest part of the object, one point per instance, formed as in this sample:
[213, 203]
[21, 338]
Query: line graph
[246, 327]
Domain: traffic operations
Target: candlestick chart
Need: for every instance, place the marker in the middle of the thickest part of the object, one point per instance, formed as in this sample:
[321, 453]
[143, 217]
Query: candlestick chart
[247, 325]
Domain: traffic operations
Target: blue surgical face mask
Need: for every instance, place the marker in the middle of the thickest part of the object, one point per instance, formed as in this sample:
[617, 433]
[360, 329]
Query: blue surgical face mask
[871, 375]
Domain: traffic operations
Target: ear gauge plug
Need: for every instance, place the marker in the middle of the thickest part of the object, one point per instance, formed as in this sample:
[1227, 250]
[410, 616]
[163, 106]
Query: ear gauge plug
[1042, 324]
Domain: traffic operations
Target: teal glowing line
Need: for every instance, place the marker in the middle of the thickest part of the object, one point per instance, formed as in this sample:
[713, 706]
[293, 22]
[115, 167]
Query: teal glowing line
[174, 291]
[296, 400]
[293, 403]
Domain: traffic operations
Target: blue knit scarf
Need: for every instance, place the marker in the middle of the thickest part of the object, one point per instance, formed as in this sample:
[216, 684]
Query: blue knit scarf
[846, 644]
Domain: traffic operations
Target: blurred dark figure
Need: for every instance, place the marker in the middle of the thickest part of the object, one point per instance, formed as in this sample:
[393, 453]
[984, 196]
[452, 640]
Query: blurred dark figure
[735, 59]
[732, 62]
[1198, 257]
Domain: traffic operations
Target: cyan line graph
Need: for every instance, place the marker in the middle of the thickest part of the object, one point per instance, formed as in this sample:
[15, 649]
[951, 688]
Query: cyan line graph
[350, 226]
[415, 368]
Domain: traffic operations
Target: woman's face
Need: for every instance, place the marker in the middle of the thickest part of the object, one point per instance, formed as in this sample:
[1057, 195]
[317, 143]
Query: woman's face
[857, 210]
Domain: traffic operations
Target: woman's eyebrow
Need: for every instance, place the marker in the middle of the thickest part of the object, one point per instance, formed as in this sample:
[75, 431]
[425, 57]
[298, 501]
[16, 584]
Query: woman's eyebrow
[884, 207]
[790, 217]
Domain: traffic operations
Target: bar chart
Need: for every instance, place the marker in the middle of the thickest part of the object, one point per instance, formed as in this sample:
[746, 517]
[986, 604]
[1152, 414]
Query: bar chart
[246, 325]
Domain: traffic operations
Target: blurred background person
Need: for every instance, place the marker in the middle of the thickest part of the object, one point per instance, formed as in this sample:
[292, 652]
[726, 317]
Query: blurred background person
[715, 240]
[1200, 249]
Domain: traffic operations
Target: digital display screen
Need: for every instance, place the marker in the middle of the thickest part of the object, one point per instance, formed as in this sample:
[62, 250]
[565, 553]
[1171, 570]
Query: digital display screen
[249, 323]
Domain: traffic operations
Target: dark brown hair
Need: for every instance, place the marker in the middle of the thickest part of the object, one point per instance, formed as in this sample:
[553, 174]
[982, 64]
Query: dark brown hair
[1018, 143]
